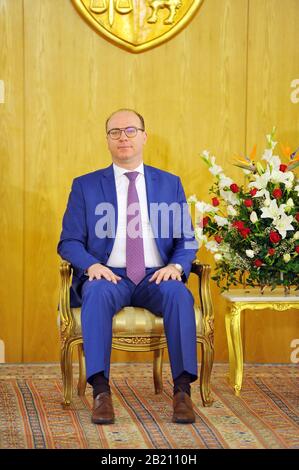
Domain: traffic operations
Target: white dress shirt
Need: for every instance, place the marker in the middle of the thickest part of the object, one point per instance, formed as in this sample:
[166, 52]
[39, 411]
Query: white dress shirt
[117, 258]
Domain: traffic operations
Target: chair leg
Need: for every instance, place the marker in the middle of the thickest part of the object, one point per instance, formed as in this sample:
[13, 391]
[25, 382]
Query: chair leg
[82, 371]
[207, 354]
[157, 370]
[67, 372]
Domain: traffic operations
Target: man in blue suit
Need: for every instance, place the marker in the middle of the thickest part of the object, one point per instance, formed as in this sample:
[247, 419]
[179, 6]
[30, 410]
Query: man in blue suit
[128, 235]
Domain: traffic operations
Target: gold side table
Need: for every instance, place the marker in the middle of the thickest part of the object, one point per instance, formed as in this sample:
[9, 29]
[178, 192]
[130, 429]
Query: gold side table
[249, 299]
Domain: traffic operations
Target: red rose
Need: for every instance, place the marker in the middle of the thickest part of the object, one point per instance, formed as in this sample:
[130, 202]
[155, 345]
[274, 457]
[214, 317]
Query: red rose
[297, 249]
[283, 167]
[253, 191]
[271, 251]
[274, 237]
[238, 224]
[297, 216]
[218, 238]
[258, 263]
[277, 193]
[235, 188]
[205, 221]
[245, 232]
[248, 202]
[215, 201]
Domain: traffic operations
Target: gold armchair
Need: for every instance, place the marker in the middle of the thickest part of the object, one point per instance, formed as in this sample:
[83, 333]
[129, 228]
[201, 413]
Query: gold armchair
[135, 329]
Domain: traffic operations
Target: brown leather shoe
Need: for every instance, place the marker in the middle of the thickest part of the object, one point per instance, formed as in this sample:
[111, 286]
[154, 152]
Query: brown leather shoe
[182, 408]
[102, 412]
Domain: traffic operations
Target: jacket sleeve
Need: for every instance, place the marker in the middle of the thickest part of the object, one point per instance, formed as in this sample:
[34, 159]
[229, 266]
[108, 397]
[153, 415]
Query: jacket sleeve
[185, 243]
[73, 239]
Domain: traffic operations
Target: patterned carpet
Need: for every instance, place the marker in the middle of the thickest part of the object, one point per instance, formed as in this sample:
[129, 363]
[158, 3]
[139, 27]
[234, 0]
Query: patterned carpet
[265, 416]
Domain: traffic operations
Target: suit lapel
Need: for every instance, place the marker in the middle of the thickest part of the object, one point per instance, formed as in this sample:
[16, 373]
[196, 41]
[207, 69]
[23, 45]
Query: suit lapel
[109, 193]
[153, 194]
[151, 178]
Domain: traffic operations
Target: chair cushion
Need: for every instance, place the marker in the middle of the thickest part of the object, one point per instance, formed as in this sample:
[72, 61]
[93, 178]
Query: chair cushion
[135, 321]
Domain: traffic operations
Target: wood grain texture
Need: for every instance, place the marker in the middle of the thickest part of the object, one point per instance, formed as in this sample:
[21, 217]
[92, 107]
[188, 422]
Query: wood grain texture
[11, 179]
[273, 63]
[219, 85]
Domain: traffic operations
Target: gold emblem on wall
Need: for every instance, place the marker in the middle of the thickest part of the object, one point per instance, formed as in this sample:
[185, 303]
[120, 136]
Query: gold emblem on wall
[138, 25]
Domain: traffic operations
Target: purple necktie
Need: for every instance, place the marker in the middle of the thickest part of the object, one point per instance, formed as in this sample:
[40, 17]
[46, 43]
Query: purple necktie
[134, 247]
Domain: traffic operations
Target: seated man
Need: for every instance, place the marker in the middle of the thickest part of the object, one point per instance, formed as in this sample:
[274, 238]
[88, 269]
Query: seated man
[143, 264]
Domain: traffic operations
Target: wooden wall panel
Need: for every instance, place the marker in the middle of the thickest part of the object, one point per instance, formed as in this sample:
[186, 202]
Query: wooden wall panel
[205, 89]
[11, 179]
[273, 63]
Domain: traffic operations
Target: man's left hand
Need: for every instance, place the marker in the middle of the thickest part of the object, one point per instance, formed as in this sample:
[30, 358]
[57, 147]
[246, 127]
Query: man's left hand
[166, 273]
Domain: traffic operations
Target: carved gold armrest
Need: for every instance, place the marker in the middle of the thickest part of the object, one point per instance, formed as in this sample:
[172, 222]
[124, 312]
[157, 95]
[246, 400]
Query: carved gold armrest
[64, 296]
[203, 272]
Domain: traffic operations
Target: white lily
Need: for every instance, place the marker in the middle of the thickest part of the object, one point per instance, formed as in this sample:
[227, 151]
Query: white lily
[211, 160]
[283, 224]
[224, 181]
[273, 160]
[263, 192]
[230, 197]
[273, 211]
[278, 176]
[212, 246]
[286, 257]
[261, 181]
[215, 170]
[203, 207]
[221, 221]
[267, 155]
[218, 257]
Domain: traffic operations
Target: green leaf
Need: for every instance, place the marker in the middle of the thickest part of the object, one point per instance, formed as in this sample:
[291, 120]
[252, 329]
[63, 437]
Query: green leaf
[293, 165]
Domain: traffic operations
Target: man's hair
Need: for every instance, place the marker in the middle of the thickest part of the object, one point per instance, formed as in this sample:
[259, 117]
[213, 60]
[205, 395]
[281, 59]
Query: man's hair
[129, 110]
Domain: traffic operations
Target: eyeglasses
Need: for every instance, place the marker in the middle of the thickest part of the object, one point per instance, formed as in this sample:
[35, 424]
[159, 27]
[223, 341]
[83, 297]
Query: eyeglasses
[129, 131]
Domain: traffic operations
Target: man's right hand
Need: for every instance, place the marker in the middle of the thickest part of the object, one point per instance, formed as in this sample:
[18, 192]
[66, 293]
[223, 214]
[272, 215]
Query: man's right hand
[97, 271]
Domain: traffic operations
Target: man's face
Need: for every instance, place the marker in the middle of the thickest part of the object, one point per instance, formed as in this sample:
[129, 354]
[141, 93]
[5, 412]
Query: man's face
[126, 150]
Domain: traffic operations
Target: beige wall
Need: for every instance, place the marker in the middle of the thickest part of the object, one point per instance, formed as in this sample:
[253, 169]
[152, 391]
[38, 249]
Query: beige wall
[221, 84]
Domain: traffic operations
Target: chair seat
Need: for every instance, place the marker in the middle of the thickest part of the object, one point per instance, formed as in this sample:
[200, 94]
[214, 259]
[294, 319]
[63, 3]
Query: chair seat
[134, 321]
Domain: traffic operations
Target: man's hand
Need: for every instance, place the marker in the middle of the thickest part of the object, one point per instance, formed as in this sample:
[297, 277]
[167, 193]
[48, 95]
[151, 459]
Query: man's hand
[97, 271]
[166, 273]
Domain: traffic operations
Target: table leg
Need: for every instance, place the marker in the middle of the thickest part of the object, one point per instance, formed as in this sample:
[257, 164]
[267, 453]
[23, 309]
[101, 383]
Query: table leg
[233, 332]
[231, 353]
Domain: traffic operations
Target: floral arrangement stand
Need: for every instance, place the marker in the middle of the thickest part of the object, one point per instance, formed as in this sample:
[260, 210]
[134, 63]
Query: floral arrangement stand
[253, 229]
[250, 299]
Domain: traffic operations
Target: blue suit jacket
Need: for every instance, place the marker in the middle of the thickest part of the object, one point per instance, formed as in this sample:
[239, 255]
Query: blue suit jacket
[79, 243]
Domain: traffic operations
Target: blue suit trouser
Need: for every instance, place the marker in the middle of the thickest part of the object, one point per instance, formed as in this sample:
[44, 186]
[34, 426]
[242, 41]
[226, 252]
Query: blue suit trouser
[102, 299]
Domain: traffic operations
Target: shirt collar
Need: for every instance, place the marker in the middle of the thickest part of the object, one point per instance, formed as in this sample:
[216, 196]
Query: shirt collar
[119, 171]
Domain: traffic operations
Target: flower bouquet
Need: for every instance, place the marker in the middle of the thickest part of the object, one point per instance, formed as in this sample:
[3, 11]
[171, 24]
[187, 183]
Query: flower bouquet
[253, 229]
